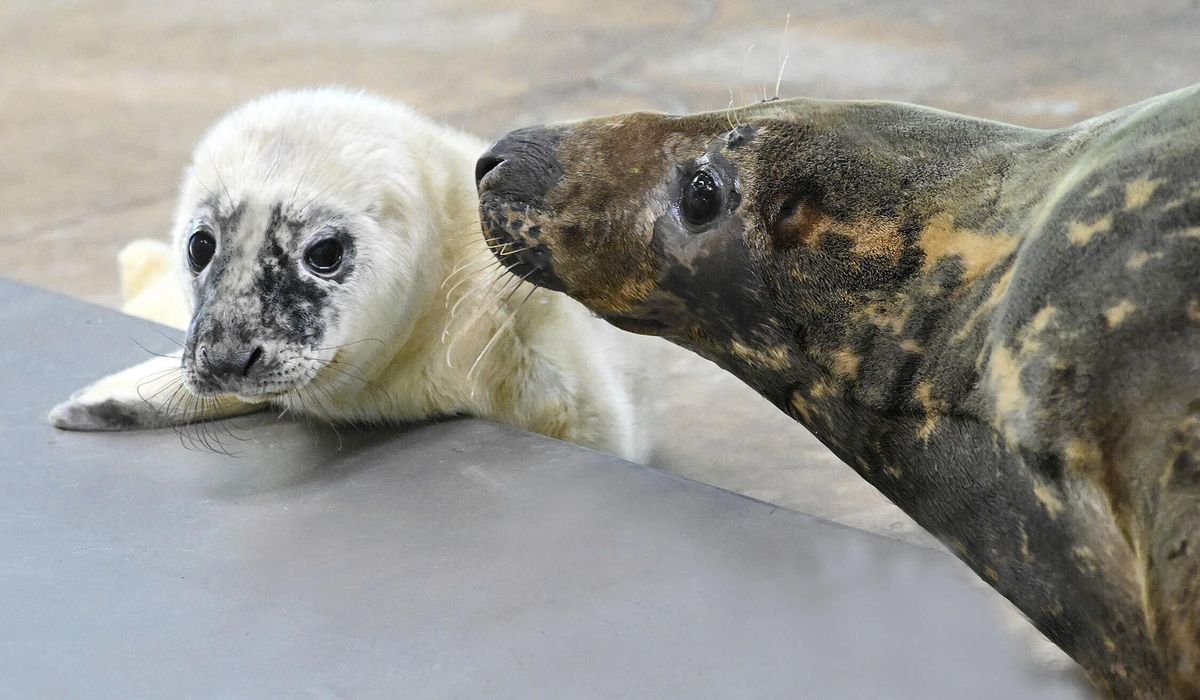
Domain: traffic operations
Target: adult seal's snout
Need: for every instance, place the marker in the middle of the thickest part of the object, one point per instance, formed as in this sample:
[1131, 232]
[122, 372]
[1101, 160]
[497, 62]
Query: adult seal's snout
[513, 177]
[523, 165]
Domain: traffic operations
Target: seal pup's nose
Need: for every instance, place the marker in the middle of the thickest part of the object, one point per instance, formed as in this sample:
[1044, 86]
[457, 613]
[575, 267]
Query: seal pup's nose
[222, 364]
[522, 165]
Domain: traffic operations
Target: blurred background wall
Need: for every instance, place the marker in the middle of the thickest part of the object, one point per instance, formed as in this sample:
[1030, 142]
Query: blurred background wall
[100, 102]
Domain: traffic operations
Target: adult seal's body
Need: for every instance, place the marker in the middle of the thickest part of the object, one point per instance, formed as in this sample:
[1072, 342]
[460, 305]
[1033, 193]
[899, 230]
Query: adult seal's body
[998, 327]
[326, 260]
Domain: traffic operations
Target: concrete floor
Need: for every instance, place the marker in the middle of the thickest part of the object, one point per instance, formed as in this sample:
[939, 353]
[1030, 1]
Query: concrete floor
[101, 102]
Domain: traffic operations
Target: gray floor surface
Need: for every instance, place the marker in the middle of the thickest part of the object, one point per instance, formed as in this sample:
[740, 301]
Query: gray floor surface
[460, 559]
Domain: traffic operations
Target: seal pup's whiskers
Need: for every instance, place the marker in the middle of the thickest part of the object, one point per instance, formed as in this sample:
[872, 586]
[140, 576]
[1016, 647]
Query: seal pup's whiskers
[353, 343]
[467, 269]
[476, 292]
[486, 307]
[496, 335]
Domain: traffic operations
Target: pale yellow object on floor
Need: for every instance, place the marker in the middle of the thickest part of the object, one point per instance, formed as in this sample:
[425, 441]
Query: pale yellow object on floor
[149, 289]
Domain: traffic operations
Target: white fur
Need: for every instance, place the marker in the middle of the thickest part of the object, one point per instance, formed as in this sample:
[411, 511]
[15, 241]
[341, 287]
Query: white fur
[419, 255]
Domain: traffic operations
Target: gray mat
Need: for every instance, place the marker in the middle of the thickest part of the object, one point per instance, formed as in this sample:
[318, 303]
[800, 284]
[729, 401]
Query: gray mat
[460, 559]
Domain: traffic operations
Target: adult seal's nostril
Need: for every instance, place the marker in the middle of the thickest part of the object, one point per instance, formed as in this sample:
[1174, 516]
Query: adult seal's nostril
[486, 164]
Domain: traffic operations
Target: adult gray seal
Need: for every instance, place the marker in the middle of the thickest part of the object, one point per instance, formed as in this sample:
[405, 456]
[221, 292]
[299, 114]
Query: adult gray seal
[326, 261]
[998, 327]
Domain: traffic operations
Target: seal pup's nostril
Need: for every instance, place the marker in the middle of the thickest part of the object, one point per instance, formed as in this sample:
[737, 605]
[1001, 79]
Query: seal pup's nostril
[222, 364]
[486, 164]
[255, 355]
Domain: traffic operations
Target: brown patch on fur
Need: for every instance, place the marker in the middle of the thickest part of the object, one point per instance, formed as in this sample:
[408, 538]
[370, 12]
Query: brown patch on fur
[1083, 456]
[1086, 558]
[1028, 337]
[613, 159]
[1004, 381]
[845, 363]
[1116, 314]
[985, 309]
[889, 315]
[803, 407]
[775, 358]
[1047, 497]
[1080, 233]
[940, 238]
[1140, 258]
[877, 239]
[869, 237]
[822, 389]
[1193, 310]
[1139, 192]
[924, 395]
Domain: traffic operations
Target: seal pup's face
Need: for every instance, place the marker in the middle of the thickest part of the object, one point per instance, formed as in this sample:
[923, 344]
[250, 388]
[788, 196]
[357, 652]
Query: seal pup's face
[300, 232]
[269, 281]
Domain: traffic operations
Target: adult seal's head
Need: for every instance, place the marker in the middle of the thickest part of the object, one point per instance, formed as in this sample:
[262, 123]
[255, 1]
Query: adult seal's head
[960, 309]
[644, 218]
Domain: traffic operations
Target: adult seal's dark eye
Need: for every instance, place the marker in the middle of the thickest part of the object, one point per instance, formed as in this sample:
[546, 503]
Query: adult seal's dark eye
[701, 199]
[200, 249]
[325, 256]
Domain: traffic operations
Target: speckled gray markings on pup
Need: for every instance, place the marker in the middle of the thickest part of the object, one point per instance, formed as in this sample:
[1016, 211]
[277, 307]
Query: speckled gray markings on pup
[253, 293]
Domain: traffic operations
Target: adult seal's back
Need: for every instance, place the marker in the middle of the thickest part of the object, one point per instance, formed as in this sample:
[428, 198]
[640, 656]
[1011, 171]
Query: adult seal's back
[998, 327]
[326, 261]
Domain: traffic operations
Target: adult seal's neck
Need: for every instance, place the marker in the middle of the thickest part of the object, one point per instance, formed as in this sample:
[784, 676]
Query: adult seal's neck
[894, 246]
[890, 244]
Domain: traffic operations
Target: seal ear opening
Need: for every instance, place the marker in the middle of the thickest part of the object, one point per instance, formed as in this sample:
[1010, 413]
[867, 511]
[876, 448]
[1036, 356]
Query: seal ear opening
[796, 224]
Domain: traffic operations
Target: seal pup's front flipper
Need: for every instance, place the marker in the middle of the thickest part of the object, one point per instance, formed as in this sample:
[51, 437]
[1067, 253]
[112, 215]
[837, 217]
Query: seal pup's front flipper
[146, 395]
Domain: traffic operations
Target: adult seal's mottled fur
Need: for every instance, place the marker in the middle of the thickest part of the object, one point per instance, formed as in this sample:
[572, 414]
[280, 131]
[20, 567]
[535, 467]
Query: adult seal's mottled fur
[326, 260]
[998, 327]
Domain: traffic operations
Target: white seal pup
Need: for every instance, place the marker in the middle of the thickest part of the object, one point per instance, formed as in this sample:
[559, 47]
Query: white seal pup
[326, 260]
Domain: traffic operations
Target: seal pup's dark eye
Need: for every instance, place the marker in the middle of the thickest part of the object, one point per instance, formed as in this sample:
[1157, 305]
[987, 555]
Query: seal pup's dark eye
[200, 249]
[325, 256]
[701, 199]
